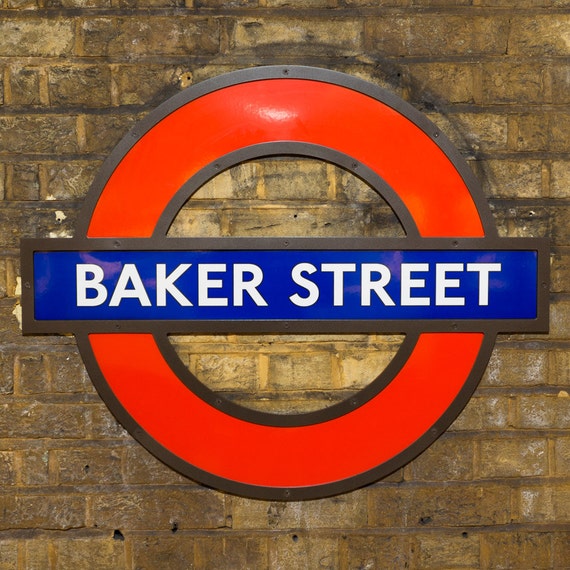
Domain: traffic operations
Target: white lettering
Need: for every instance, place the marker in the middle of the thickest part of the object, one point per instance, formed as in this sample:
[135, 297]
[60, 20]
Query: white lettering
[311, 287]
[338, 270]
[129, 276]
[241, 286]
[165, 284]
[367, 285]
[407, 284]
[442, 283]
[205, 284]
[483, 269]
[94, 283]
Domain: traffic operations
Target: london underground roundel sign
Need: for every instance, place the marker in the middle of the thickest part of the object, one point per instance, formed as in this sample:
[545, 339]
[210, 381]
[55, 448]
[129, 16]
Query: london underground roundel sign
[121, 285]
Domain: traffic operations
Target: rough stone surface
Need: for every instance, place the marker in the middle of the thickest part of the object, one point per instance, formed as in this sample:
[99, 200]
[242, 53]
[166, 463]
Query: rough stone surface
[78, 492]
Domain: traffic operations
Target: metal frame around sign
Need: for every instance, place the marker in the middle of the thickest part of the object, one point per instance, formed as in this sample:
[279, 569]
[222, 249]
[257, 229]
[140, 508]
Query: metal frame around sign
[95, 341]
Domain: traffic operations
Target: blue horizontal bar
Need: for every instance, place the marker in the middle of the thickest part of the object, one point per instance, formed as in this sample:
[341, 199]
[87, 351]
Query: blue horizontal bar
[284, 285]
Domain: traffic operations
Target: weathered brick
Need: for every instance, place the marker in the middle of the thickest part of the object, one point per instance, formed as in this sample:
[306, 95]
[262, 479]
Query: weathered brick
[100, 553]
[546, 503]
[68, 373]
[36, 419]
[36, 554]
[375, 3]
[8, 554]
[516, 367]
[539, 35]
[509, 82]
[227, 372]
[69, 181]
[24, 86]
[301, 550]
[35, 467]
[129, 37]
[2, 181]
[38, 134]
[3, 284]
[33, 221]
[515, 550]
[239, 183]
[24, 182]
[448, 459]
[23, 4]
[514, 457]
[559, 126]
[78, 3]
[349, 188]
[345, 511]
[195, 222]
[520, 3]
[57, 512]
[560, 319]
[560, 219]
[456, 34]
[529, 132]
[141, 84]
[512, 178]
[294, 372]
[35, 37]
[377, 551]
[299, 180]
[543, 411]
[102, 424]
[227, 553]
[520, 221]
[459, 550]
[6, 372]
[88, 86]
[7, 468]
[159, 509]
[89, 466]
[155, 3]
[32, 374]
[483, 413]
[351, 220]
[176, 551]
[560, 179]
[140, 467]
[475, 133]
[301, 3]
[102, 133]
[560, 84]
[562, 455]
[560, 549]
[439, 506]
[450, 82]
[560, 368]
[360, 368]
[305, 36]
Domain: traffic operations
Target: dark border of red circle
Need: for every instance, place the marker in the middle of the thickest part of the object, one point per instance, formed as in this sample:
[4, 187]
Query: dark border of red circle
[334, 487]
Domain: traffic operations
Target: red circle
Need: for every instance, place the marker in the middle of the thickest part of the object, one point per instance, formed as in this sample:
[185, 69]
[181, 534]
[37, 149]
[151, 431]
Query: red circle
[301, 110]
[269, 456]
[226, 120]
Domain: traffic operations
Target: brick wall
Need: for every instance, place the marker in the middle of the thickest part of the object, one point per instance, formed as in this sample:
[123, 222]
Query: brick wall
[77, 491]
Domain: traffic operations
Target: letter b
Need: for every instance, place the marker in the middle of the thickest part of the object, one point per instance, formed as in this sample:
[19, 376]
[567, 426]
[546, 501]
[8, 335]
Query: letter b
[94, 283]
